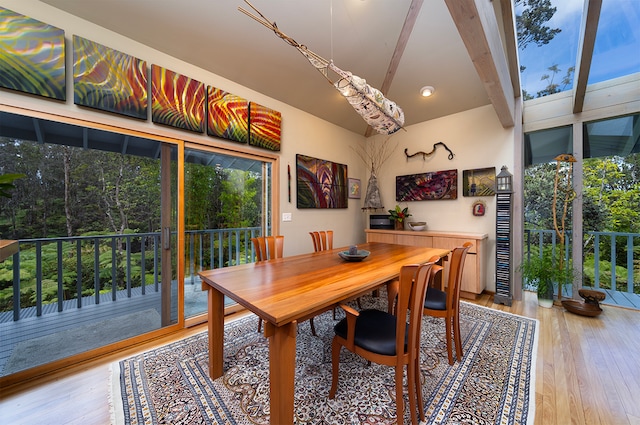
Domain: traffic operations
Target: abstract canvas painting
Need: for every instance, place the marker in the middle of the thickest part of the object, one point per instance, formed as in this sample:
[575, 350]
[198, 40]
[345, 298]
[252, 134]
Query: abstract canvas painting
[177, 100]
[227, 115]
[427, 186]
[109, 80]
[32, 58]
[479, 182]
[264, 127]
[321, 183]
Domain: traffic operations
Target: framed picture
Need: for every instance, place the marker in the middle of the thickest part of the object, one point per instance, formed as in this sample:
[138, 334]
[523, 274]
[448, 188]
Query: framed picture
[427, 186]
[109, 80]
[479, 182]
[479, 208]
[32, 56]
[320, 183]
[227, 115]
[177, 100]
[354, 188]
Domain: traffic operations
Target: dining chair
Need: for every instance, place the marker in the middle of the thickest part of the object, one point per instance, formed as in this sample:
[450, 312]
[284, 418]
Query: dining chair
[267, 248]
[322, 240]
[445, 303]
[389, 339]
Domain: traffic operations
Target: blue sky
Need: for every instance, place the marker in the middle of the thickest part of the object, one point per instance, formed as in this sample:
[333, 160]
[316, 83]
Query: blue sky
[617, 49]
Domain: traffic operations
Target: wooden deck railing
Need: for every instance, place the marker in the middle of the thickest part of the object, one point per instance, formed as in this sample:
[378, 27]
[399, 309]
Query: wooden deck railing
[111, 264]
[611, 259]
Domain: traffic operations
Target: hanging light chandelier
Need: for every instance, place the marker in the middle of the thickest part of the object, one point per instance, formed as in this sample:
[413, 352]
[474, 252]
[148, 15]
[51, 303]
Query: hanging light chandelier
[382, 114]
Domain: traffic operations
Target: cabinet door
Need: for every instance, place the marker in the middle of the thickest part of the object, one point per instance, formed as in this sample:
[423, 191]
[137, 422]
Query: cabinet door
[381, 237]
[415, 240]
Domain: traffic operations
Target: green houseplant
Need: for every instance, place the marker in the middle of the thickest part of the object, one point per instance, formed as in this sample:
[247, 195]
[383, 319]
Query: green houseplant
[544, 272]
[398, 215]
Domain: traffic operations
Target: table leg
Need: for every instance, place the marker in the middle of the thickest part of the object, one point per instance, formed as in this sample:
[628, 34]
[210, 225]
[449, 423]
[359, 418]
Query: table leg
[282, 368]
[216, 332]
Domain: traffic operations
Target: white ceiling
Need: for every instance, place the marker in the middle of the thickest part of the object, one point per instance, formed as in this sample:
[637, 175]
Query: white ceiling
[358, 35]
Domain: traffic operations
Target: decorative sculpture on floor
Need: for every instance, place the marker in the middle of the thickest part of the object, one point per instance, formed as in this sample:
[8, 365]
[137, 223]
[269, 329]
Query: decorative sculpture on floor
[380, 113]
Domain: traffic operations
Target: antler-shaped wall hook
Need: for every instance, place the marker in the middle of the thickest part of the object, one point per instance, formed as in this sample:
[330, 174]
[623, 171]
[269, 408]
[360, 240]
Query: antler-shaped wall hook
[426, 154]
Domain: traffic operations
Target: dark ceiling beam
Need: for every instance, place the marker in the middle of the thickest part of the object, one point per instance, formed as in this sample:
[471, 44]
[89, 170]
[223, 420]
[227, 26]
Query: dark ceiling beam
[588, 29]
[403, 39]
[478, 28]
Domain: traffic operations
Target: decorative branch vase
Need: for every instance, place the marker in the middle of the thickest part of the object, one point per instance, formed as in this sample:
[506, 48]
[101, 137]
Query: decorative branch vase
[399, 225]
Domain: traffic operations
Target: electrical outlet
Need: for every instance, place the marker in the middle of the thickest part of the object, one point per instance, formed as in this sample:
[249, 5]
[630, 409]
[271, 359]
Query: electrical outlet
[286, 217]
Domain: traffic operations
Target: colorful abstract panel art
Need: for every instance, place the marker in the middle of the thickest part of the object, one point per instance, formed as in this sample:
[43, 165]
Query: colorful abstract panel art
[479, 182]
[177, 100]
[264, 127]
[321, 184]
[109, 80]
[427, 186]
[227, 115]
[31, 56]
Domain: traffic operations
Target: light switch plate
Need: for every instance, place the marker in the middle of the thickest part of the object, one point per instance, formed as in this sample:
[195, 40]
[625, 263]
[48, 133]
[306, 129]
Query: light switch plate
[286, 217]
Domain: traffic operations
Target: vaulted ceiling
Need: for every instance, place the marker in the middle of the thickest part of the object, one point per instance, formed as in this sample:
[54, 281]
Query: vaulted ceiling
[460, 47]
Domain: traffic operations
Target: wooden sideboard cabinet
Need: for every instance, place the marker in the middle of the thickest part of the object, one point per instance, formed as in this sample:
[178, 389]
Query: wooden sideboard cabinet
[473, 277]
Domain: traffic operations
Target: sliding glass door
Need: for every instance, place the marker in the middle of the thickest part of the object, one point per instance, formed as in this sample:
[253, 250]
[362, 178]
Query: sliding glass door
[227, 201]
[95, 213]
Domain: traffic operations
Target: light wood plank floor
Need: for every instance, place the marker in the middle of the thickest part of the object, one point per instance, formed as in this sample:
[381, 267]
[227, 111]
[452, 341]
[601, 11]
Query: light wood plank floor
[587, 372]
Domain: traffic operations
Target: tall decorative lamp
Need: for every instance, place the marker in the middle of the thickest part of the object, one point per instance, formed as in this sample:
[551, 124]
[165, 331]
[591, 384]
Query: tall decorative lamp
[504, 248]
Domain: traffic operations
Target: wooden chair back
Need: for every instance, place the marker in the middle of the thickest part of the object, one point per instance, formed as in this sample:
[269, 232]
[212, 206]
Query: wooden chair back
[446, 303]
[268, 247]
[412, 287]
[322, 240]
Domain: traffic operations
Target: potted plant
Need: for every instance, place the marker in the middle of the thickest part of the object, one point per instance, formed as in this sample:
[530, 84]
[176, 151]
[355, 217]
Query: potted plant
[545, 272]
[398, 216]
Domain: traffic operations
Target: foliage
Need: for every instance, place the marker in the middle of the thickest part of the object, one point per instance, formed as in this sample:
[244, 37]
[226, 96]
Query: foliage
[530, 24]
[610, 196]
[542, 272]
[6, 183]
[399, 214]
[97, 193]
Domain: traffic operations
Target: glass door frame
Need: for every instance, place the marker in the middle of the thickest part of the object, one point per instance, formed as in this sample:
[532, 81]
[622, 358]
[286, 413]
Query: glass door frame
[270, 207]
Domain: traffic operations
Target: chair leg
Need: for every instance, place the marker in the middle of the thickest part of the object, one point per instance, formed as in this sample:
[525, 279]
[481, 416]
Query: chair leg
[449, 335]
[313, 328]
[399, 391]
[335, 367]
[457, 337]
[419, 389]
[411, 390]
[259, 325]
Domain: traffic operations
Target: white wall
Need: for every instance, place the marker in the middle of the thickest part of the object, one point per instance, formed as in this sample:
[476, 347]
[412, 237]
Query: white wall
[476, 137]
[302, 133]
[478, 140]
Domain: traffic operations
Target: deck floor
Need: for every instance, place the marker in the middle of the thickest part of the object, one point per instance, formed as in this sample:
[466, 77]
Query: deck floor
[55, 335]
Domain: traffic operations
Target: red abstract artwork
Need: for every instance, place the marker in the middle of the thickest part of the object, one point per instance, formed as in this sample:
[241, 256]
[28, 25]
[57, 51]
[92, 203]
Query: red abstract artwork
[178, 100]
[264, 127]
[427, 186]
[227, 115]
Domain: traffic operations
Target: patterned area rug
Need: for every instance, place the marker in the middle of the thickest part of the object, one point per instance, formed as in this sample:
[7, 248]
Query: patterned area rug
[494, 384]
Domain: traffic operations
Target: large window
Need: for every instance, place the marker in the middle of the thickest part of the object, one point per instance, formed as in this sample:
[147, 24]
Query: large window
[607, 197]
[109, 248]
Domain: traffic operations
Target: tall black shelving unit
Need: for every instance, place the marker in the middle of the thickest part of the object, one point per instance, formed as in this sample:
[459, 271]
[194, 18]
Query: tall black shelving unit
[504, 248]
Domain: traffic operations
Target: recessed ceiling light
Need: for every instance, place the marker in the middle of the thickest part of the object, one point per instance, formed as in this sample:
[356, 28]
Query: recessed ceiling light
[427, 91]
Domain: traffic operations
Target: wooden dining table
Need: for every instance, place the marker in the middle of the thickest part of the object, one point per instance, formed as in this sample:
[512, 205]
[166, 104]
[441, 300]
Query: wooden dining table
[286, 291]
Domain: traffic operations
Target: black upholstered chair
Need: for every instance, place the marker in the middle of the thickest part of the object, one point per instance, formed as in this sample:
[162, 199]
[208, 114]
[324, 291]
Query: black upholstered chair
[388, 339]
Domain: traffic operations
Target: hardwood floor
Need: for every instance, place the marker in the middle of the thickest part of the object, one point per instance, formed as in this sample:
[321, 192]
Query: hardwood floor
[587, 372]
